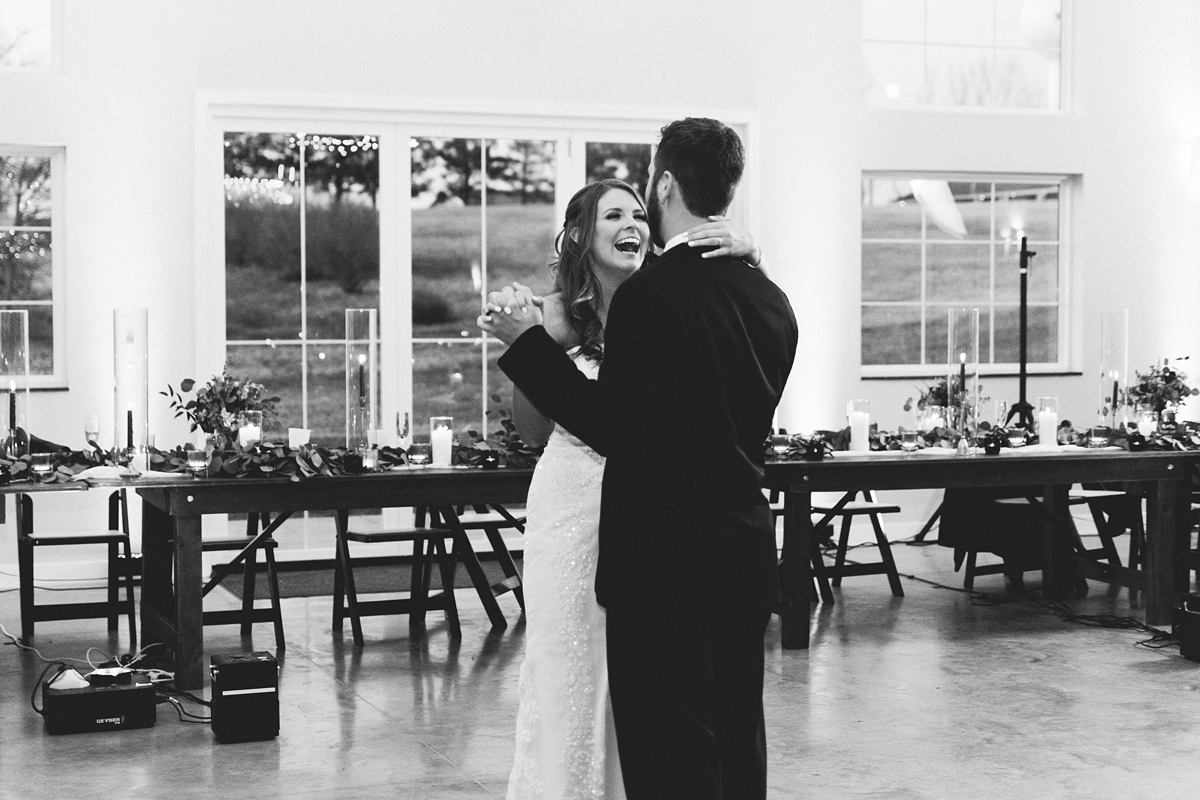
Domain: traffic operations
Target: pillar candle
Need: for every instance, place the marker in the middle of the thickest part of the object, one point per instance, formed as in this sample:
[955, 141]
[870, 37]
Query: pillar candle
[860, 430]
[442, 440]
[1048, 428]
[249, 435]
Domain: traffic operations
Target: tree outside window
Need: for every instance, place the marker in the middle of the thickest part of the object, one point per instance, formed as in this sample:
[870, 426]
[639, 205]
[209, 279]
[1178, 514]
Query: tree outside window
[287, 293]
[26, 250]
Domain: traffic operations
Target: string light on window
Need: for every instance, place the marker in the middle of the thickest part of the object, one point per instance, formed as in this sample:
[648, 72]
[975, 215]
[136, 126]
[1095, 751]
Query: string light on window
[270, 190]
[342, 145]
[22, 244]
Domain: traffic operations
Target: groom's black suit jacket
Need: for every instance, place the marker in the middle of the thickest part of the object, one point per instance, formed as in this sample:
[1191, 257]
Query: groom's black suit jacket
[696, 355]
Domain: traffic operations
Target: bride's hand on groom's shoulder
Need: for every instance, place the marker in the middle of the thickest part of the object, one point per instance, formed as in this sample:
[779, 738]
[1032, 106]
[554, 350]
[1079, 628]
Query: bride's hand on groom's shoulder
[729, 239]
[510, 312]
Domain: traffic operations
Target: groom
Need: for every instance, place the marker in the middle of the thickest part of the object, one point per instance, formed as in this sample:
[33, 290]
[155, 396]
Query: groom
[697, 352]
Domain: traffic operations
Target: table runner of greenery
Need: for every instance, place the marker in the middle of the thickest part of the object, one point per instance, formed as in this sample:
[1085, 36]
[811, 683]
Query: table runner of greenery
[502, 448]
[1184, 436]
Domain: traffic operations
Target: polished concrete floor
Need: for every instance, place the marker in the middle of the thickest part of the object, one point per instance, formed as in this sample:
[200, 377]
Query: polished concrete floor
[929, 696]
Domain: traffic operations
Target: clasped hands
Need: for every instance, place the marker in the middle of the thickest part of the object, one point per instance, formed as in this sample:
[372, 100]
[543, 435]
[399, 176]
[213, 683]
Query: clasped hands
[510, 312]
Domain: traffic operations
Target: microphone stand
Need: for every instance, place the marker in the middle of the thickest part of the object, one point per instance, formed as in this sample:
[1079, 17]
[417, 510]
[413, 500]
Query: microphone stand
[1021, 409]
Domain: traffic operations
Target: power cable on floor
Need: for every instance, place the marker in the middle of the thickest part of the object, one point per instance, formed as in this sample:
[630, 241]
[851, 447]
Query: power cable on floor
[1159, 638]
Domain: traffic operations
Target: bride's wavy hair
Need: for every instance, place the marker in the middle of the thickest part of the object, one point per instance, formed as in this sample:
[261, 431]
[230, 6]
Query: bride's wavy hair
[574, 268]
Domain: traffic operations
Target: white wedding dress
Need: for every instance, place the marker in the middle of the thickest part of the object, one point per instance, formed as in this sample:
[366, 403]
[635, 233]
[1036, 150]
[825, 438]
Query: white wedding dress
[565, 745]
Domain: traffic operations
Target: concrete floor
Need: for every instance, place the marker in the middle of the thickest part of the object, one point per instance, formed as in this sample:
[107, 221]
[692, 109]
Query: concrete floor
[929, 696]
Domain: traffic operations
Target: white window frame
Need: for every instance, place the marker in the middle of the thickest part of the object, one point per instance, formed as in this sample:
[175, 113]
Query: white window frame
[1068, 312]
[1066, 82]
[395, 124]
[55, 67]
[58, 260]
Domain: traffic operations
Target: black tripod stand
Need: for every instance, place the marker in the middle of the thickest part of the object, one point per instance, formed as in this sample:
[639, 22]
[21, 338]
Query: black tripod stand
[1021, 409]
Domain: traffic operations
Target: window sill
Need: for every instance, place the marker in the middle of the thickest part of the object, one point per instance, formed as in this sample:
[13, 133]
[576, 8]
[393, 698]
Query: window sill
[1048, 373]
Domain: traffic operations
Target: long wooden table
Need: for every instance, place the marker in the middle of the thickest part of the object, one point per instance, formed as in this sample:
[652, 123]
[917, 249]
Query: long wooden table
[171, 559]
[1164, 474]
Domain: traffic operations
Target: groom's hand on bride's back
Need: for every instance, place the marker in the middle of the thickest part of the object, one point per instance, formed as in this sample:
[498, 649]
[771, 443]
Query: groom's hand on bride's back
[510, 312]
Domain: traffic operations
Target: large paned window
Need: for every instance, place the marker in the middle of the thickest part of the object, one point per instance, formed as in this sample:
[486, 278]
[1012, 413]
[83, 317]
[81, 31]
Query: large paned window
[932, 242]
[404, 212]
[30, 276]
[974, 53]
[301, 246]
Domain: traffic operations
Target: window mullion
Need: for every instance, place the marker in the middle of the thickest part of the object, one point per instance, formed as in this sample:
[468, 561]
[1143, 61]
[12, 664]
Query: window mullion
[303, 287]
[483, 276]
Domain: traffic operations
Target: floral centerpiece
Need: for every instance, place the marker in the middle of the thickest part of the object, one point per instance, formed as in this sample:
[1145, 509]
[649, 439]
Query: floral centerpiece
[218, 403]
[1161, 388]
[501, 448]
[936, 395]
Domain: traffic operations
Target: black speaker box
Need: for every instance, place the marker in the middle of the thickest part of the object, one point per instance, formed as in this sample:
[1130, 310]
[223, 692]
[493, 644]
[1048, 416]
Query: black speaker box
[99, 708]
[245, 696]
[1187, 627]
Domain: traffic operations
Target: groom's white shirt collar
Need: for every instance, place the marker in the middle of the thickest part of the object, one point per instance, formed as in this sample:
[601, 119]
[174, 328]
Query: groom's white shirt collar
[680, 239]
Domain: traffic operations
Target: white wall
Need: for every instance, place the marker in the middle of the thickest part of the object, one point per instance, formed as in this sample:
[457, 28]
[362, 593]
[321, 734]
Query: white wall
[124, 109]
[1129, 137]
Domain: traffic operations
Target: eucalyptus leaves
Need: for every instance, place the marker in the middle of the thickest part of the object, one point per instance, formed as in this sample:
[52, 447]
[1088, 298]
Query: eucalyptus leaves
[1162, 387]
[217, 403]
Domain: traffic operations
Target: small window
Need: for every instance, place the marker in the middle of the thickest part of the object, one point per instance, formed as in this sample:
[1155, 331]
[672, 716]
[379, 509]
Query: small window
[27, 264]
[26, 36]
[932, 242]
[976, 53]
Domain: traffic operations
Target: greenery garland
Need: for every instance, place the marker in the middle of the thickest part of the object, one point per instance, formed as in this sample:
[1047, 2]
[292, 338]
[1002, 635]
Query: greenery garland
[1184, 437]
[503, 448]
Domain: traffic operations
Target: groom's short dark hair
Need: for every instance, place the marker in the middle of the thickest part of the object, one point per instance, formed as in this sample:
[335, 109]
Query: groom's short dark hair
[706, 158]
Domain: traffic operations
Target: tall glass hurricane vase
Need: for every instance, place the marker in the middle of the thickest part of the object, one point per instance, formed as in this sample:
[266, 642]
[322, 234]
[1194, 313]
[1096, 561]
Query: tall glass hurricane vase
[962, 371]
[131, 384]
[362, 365]
[1114, 365]
[14, 379]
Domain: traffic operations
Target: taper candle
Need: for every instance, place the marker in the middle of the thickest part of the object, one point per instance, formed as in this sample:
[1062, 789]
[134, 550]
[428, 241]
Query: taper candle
[129, 420]
[12, 405]
[962, 375]
[362, 380]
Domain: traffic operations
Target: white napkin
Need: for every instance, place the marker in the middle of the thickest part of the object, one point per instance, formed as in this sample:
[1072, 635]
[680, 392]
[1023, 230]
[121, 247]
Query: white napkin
[116, 474]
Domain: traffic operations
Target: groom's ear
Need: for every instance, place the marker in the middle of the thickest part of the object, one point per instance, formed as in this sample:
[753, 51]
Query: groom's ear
[664, 184]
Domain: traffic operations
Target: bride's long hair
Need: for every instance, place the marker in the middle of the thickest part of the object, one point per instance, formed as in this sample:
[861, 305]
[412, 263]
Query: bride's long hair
[573, 265]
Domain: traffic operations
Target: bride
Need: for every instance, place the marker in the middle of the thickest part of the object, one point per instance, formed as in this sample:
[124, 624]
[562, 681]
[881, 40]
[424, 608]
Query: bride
[565, 744]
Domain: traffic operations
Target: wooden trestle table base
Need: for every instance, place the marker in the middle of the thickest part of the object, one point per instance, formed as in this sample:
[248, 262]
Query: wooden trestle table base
[172, 583]
[1166, 476]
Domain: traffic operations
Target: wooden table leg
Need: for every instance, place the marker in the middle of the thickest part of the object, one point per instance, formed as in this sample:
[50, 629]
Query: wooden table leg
[795, 578]
[172, 611]
[158, 617]
[1058, 547]
[1167, 542]
[189, 609]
